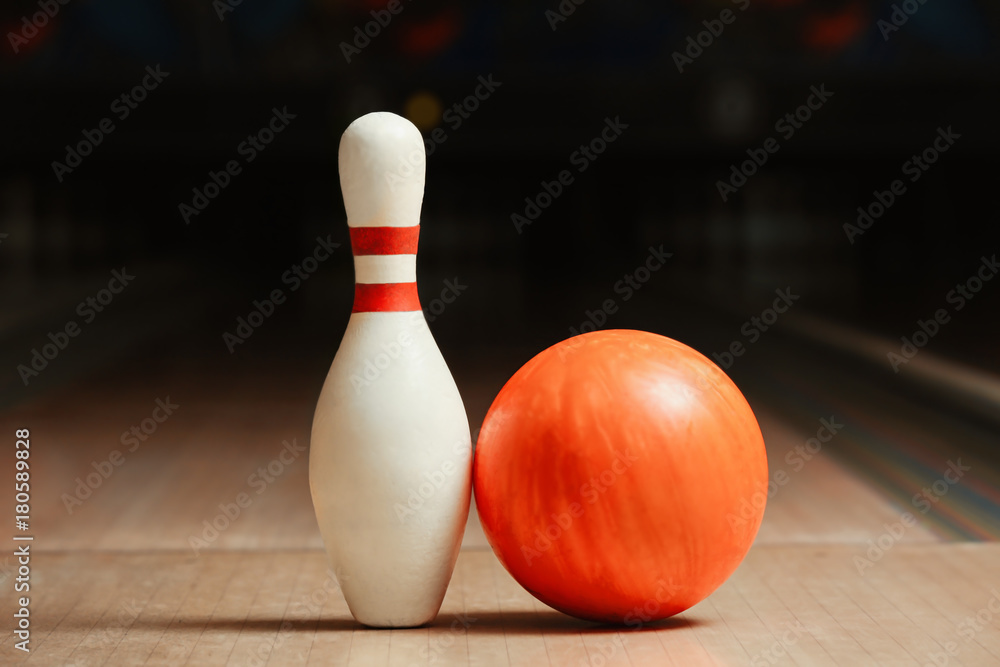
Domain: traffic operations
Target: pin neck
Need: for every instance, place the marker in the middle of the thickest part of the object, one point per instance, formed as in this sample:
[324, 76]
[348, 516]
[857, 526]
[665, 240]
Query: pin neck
[385, 269]
[386, 298]
[384, 240]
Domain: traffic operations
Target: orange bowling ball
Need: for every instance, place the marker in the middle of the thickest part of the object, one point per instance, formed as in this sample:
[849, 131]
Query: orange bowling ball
[620, 476]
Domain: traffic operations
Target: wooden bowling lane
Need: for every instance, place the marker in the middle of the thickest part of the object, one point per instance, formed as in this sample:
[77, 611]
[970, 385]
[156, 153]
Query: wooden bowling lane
[922, 454]
[121, 581]
[788, 604]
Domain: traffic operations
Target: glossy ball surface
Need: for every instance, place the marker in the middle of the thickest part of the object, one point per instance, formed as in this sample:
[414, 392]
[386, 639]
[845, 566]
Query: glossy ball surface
[620, 476]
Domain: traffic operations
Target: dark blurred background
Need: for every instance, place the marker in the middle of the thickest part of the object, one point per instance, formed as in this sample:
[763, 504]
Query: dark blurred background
[201, 77]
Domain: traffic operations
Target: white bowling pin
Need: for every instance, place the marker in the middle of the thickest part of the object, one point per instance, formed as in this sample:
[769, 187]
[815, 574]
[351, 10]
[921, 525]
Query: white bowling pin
[391, 455]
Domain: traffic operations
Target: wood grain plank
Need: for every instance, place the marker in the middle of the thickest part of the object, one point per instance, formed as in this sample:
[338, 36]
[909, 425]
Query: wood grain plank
[300, 618]
[91, 630]
[522, 637]
[262, 627]
[151, 620]
[789, 635]
[447, 636]
[334, 635]
[184, 630]
[479, 570]
[369, 647]
[220, 607]
[48, 591]
[229, 616]
[786, 578]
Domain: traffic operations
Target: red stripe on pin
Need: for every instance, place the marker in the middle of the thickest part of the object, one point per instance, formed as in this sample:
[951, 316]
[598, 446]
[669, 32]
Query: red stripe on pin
[384, 240]
[385, 298]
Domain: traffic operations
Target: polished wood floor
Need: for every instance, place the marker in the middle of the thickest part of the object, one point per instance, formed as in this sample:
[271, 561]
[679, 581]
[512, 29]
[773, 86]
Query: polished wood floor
[117, 578]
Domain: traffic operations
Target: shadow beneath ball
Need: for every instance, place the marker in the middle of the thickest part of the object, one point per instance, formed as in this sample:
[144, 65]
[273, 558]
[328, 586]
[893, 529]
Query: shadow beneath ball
[546, 622]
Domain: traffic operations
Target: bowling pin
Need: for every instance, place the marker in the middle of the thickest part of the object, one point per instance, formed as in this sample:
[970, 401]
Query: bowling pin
[390, 462]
